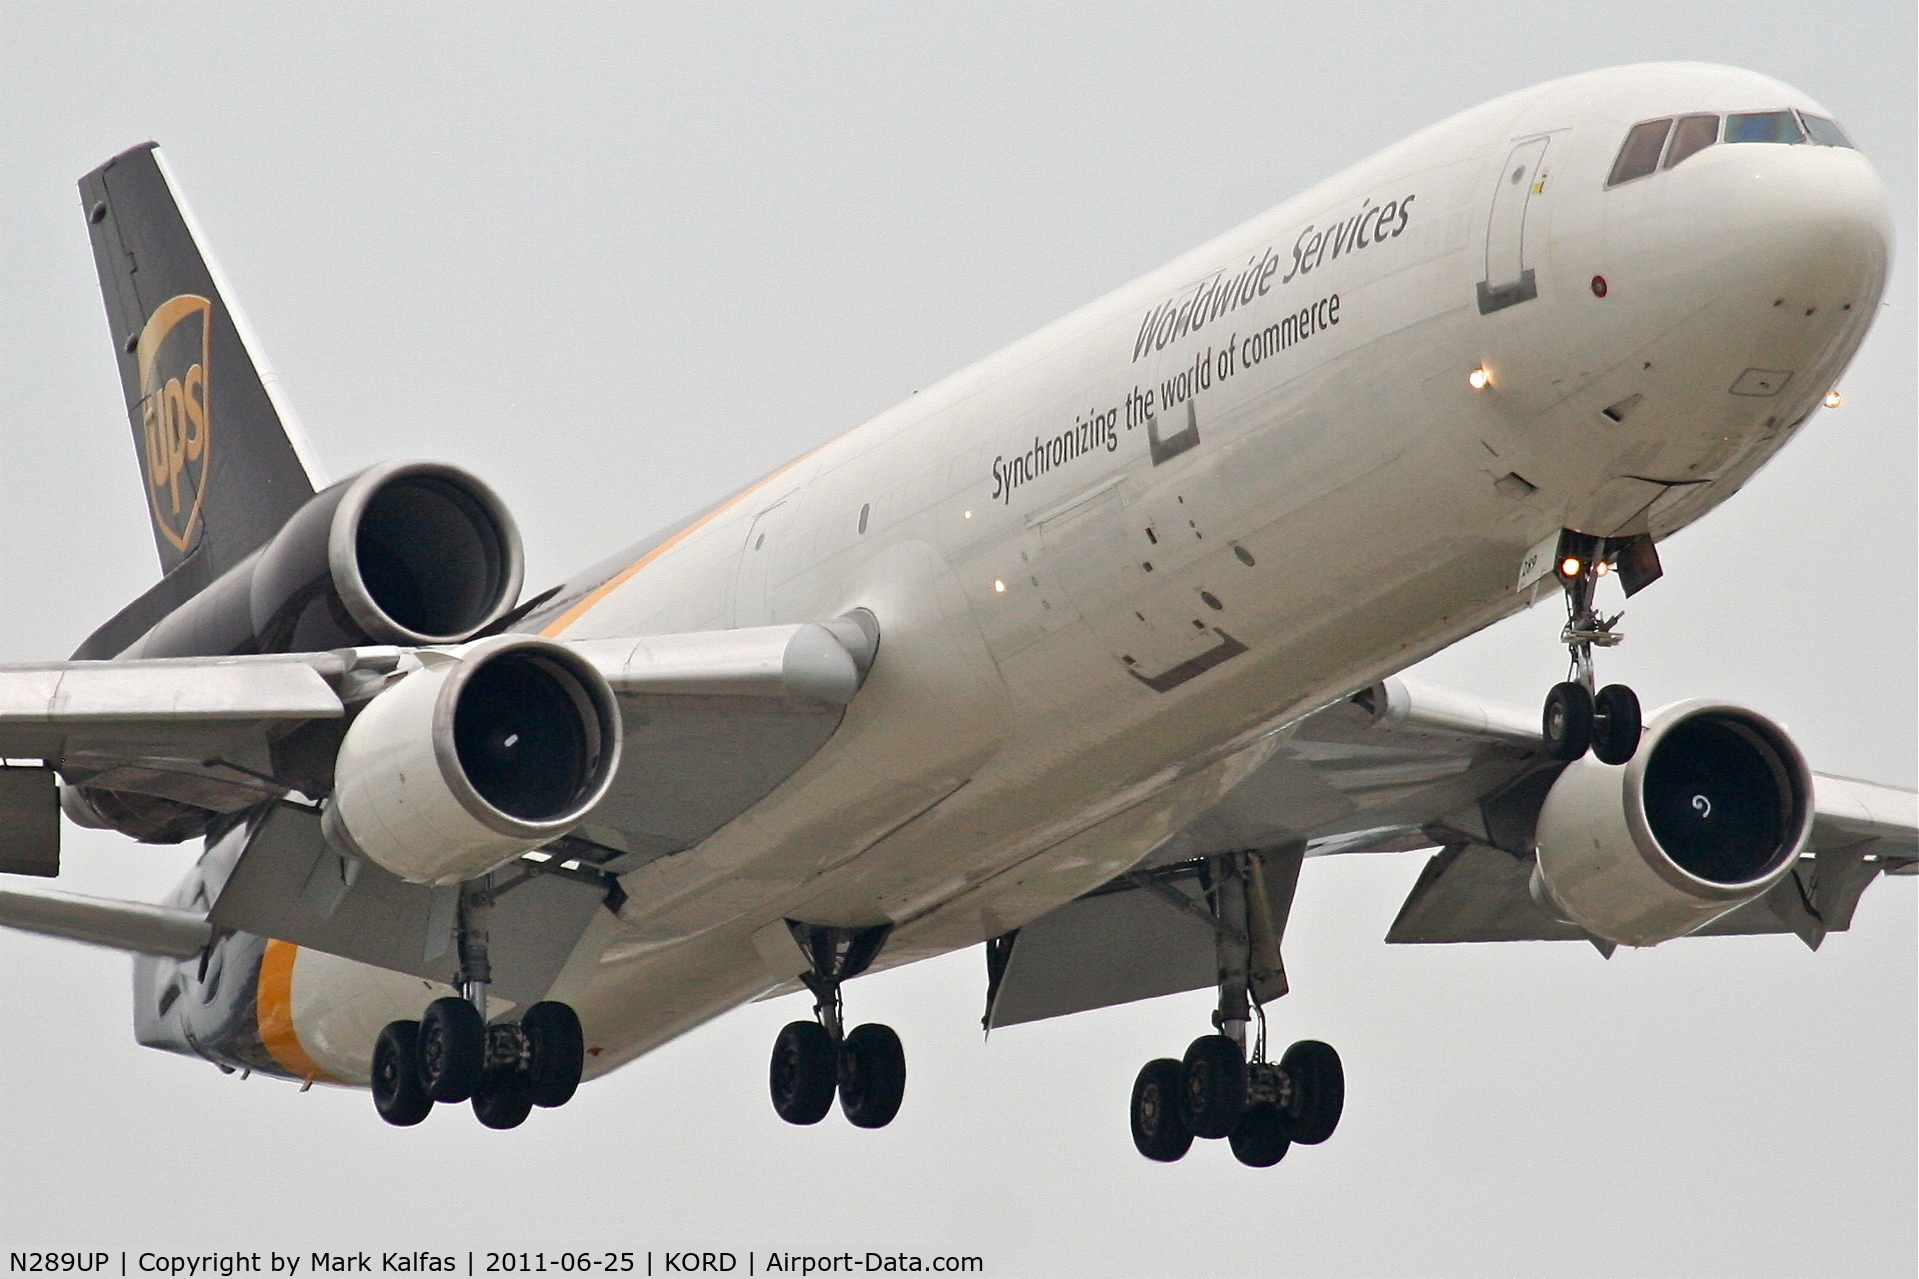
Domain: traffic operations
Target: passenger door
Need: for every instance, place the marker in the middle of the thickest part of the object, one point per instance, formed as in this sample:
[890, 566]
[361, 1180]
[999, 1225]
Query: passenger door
[1509, 279]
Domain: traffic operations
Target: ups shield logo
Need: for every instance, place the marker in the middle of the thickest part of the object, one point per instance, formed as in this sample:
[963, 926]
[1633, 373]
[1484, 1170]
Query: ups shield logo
[175, 429]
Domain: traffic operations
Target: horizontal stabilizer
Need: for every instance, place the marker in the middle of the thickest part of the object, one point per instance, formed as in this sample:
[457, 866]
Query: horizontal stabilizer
[101, 921]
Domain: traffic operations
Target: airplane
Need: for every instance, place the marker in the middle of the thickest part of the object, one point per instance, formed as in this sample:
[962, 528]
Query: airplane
[1076, 655]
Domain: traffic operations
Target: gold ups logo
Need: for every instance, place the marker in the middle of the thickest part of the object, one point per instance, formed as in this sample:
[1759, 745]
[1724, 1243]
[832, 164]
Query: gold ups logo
[175, 443]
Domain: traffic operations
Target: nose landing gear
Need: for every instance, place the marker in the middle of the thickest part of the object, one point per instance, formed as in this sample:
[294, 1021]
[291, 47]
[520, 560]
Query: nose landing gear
[1260, 1107]
[814, 1060]
[1576, 717]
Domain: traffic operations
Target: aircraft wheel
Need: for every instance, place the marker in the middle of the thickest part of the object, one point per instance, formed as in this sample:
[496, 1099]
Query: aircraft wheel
[1159, 1127]
[1215, 1085]
[397, 1092]
[1319, 1091]
[1615, 724]
[1260, 1138]
[556, 1052]
[502, 1100]
[872, 1076]
[1567, 723]
[452, 1049]
[804, 1072]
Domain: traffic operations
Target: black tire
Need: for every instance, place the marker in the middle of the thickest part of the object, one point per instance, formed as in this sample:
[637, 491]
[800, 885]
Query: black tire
[1213, 1094]
[1262, 1136]
[1566, 725]
[555, 1053]
[397, 1092]
[872, 1076]
[804, 1073]
[1159, 1121]
[1318, 1093]
[502, 1100]
[452, 1049]
[1616, 724]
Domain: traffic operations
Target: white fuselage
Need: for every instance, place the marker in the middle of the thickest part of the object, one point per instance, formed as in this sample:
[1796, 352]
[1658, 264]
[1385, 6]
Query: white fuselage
[1110, 561]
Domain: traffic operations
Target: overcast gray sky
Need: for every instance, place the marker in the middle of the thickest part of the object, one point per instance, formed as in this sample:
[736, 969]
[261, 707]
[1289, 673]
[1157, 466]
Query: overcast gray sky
[620, 259]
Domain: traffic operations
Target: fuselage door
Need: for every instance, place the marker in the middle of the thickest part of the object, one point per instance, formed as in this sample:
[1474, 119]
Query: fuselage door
[764, 545]
[1509, 276]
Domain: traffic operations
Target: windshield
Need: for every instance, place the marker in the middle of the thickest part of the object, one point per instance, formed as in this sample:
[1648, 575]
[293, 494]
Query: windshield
[1763, 126]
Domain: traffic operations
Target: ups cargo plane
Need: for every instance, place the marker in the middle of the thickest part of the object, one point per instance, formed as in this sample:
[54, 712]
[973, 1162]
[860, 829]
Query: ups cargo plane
[1077, 654]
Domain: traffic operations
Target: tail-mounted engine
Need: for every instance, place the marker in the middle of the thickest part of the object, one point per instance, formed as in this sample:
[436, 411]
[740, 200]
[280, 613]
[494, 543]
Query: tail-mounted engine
[1710, 812]
[409, 553]
[481, 754]
[406, 553]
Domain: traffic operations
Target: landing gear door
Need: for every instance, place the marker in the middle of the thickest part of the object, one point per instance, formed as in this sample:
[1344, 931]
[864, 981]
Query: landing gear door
[1509, 275]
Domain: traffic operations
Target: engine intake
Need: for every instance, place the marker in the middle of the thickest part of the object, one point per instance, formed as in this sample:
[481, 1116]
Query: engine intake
[483, 753]
[1710, 812]
[411, 553]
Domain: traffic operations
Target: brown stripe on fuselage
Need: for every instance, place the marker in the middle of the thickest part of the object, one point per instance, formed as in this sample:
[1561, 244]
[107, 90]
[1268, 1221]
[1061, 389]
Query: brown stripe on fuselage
[273, 1011]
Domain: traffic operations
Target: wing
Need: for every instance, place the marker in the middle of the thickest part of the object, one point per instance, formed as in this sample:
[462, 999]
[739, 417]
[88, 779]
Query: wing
[1403, 765]
[710, 722]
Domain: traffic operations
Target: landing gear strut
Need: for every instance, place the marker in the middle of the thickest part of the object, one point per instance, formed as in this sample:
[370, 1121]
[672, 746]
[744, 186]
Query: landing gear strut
[452, 1055]
[1576, 717]
[1262, 1108]
[812, 1060]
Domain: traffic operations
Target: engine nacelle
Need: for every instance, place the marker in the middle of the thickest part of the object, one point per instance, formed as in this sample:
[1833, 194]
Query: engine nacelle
[483, 753]
[410, 553]
[1710, 813]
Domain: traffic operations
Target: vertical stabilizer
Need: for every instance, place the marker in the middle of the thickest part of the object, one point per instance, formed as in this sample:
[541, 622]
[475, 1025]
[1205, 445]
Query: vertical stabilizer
[221, 459]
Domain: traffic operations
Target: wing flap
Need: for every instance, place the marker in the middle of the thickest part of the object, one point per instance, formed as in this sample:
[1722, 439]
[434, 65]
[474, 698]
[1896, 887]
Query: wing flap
[1113, 947]
[1472, 892]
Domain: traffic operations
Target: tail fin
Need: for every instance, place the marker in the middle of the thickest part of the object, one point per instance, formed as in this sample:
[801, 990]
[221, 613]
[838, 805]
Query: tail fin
[221, 458]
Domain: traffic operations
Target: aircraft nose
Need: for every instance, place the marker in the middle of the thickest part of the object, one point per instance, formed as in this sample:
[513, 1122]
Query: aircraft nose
[1794, 247]
[1799, 215]
[1726, 296]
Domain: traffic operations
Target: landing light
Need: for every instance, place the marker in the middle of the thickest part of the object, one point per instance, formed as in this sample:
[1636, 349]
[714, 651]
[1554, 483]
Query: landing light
[1569, 567]
[1833, 399]
[999, 586]
[1602, 568]
[1479, 379]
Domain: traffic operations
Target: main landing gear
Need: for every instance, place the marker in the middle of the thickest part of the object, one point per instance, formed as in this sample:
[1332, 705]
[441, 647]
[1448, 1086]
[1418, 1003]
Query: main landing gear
[1576, 718]
[452, 1055]
[813, 1060]
[1260, 1107]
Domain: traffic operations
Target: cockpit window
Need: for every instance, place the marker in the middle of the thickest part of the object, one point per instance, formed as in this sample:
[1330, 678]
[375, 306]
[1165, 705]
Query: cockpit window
[1825, 132]
[1763, 126]
[1640, 155]
[1694, 134]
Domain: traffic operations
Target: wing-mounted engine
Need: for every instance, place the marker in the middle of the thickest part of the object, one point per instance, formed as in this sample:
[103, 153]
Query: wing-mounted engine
[483, 753]
[1709, 814]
